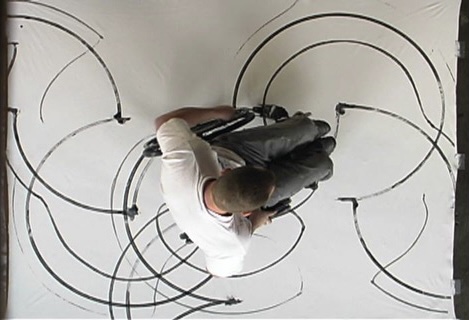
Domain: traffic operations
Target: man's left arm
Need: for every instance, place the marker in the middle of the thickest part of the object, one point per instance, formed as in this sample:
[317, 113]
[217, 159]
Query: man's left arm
[194, 116]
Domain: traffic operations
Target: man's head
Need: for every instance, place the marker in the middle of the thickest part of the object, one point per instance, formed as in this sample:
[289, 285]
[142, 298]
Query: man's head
[243, 189]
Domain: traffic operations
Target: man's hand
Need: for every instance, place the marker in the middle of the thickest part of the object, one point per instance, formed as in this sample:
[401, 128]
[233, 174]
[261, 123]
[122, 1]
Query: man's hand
[260, 218]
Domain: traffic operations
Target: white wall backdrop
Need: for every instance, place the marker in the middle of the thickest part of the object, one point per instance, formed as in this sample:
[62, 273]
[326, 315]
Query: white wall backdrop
[374, 241]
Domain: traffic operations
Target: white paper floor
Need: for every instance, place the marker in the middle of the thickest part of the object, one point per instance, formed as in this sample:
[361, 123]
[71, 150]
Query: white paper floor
[78, 68]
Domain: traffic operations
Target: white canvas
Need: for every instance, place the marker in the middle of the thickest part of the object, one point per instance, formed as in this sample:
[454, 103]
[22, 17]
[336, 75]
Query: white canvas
[374, 241]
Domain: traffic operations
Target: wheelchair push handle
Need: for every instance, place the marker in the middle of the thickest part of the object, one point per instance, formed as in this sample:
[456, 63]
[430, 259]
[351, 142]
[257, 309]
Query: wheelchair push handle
[207, 130]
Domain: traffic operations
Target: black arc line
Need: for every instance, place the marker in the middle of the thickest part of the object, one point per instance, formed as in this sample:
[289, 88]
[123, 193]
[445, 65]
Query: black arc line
[41, 104]
[13, 58]
[162, 272]
[114, 184]
[199, 308]
[265, 24]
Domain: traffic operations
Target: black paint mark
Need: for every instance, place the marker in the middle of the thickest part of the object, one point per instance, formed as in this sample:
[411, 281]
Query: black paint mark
[13, 58]
[407, 303]
[41, 104]
[266, 23]
[204, 306]
[114, 183]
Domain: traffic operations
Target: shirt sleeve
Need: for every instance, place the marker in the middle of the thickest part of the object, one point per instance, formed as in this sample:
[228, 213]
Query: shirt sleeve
[173, 134]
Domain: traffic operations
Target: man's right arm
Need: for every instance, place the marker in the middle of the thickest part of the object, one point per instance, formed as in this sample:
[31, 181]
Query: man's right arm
[194, 116]
[260, 218]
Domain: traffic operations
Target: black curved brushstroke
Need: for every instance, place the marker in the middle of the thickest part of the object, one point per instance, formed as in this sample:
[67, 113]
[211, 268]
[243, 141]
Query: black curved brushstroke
[199, 308]
[417, 238]
[300, 204]
[12, 209]
[13, 58]
[337, 124]
[448, 68]
[61, 12]
[413, 305]
[361, 43]
[41, 104]
[168, 247]
[35, 174]
[140, 180]
[162, 271]
[265, 24]
[127, 301]
[379, 265]
[114, 183]
[182, 260]
[420, 165]
[281, 258]
[118, 115]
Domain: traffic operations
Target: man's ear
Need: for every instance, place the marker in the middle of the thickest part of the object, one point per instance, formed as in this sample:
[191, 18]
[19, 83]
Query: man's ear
[226, 170]
[247, 213]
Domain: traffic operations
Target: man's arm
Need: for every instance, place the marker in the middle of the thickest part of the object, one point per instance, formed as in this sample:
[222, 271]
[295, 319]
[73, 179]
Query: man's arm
[193, 115]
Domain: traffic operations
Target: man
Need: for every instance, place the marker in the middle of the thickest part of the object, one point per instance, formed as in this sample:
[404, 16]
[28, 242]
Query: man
[215, 192]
